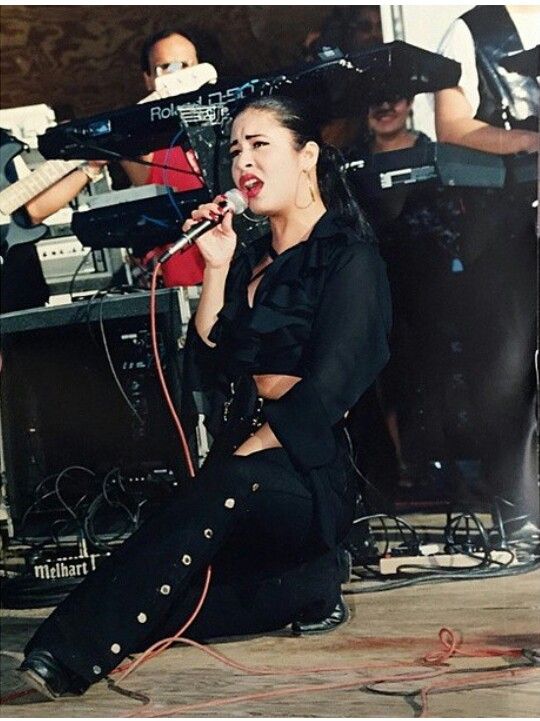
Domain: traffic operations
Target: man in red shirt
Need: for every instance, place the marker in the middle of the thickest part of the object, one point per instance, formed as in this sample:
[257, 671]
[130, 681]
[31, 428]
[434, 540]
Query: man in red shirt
[161, 53]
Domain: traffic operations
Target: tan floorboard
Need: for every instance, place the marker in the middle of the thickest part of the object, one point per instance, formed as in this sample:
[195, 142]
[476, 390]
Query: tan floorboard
[385, 628]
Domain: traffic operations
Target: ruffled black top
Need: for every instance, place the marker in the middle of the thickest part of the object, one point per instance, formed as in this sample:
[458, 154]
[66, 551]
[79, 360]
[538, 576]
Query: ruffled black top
[322, 311]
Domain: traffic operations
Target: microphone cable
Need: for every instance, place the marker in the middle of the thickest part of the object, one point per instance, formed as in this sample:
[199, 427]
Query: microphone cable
[156, 648]
[161, 375]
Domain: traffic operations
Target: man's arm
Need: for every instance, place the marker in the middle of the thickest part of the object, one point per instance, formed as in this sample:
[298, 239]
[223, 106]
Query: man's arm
[455, 124]
[136, 172]
[61, 193]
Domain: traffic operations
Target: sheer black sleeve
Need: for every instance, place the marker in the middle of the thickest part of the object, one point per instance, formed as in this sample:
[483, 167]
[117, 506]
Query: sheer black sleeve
[348, 349]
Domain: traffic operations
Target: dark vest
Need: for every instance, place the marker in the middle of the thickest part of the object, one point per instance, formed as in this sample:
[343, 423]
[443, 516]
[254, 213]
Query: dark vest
[507, 99]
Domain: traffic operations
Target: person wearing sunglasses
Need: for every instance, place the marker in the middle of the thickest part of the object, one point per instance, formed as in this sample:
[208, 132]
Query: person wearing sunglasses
[162, 53]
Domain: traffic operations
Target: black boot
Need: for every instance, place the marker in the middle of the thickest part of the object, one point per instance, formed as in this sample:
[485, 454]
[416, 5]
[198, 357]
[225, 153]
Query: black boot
[339, 615]
[49, 677]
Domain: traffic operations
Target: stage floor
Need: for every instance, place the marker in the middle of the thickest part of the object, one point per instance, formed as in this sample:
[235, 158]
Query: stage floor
[385, 629]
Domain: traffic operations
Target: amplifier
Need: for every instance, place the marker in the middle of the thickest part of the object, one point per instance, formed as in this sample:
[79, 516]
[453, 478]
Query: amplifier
[80, 390]
[70, 267]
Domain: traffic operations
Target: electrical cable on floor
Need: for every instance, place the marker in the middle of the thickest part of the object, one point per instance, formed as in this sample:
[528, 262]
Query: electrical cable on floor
[447, 576]
[451, 645]
[464, 535]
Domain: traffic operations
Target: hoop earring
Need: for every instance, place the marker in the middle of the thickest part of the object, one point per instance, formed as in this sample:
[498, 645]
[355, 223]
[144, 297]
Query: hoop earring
[311, 191]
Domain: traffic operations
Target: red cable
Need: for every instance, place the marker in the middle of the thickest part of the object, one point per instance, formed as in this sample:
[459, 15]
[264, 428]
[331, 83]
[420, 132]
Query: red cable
[14, 695]
[162, 645]
[448, 638]
[483, 678]
[161, 376]
[451, 641]
[355, 683]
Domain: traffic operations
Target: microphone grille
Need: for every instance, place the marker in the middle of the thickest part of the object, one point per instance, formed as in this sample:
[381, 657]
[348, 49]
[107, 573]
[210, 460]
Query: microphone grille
[237, 200]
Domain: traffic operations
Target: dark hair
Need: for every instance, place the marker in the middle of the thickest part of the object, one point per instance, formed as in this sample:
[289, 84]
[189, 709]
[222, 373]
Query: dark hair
[335, 191]
[155, 38]
[339, 29]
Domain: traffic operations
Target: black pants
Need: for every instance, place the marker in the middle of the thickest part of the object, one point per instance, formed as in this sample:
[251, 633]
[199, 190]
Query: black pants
[252, 519]
[463, 376]
[500, 341]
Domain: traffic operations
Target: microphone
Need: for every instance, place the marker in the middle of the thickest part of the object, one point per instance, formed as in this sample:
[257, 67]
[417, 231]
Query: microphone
[235, 201]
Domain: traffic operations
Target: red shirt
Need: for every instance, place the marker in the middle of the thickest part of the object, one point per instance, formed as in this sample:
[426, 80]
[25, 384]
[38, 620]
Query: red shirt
[183, 268]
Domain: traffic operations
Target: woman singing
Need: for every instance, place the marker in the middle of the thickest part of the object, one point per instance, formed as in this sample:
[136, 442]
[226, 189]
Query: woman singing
[286, 338]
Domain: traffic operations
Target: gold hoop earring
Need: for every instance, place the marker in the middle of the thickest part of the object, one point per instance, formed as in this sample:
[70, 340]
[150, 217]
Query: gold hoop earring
[311, 189]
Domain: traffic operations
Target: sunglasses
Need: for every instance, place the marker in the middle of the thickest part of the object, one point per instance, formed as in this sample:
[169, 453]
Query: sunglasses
[375, 102]
[172, 67]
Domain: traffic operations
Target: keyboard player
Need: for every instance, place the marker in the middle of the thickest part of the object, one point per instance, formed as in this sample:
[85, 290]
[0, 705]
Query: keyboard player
[163, 52]
[385, 130]
[496, 111]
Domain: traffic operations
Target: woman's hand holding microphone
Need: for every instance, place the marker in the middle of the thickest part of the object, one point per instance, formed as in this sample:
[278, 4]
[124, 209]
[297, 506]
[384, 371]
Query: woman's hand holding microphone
[218, 244]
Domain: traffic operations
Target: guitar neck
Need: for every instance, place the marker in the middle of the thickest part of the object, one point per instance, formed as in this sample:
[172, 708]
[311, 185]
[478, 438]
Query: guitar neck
[16, 195]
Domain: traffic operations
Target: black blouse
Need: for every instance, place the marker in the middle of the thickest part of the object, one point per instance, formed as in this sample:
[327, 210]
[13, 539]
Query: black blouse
[322, 311]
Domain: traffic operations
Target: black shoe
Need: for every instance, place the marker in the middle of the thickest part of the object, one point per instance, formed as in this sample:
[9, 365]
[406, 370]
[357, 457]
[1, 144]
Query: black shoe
[47, 676]
[339, 615]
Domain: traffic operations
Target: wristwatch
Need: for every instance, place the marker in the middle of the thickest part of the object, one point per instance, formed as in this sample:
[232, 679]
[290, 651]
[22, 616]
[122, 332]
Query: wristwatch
[93, 174]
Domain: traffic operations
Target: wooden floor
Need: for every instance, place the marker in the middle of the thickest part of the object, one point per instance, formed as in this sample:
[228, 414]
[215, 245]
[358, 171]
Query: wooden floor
[385, 629]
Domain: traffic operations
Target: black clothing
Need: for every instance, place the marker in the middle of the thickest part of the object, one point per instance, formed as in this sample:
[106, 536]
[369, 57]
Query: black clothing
[22, 282]
[507, 99]
[268, 523]
[374, 449]
[322, 312]
[500, 288]
[462, 269]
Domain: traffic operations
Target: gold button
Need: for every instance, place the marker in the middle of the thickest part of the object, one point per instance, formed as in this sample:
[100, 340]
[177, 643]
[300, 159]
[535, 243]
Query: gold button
[186, 560]
[255, 487]
[165, 590]
[142, 618]
[230, 503]
[208, 533]
[115, 648]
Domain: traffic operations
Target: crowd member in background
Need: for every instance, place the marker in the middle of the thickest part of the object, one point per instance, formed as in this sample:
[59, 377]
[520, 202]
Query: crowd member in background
[496, 110]
[376, 440]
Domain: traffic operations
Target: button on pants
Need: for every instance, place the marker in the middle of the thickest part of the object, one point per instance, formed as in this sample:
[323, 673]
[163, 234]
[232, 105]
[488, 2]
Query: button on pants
[251, 518]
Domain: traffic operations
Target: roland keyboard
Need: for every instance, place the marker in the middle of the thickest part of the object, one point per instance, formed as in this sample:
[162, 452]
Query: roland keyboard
[139, 129]
[447, 165]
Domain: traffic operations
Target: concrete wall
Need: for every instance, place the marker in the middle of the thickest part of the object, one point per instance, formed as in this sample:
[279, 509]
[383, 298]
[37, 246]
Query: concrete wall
[87, 57]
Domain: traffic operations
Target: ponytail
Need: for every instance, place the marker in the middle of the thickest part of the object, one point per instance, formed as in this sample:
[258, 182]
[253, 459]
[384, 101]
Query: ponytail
[336, 192]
